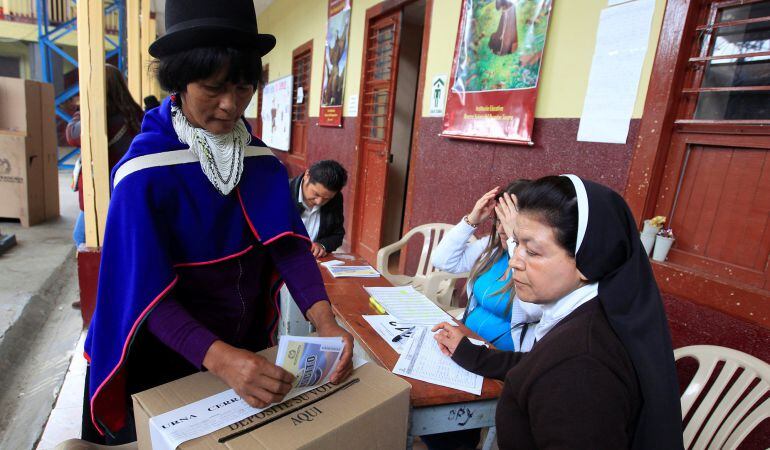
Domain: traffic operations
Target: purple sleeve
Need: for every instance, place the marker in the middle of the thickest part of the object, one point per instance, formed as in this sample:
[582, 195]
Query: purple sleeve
[299, 270]
[170, 322]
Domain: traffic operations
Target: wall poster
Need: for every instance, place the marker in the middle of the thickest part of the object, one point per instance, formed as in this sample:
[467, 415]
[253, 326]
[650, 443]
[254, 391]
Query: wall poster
[335, 63]
[276, 113]
[495, 71]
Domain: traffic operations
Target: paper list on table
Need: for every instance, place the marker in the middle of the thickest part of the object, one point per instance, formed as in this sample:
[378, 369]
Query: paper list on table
[409, 306]
[424, 361]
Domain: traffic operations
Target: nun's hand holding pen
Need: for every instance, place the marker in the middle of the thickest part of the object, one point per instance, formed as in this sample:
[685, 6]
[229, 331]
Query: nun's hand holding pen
[448, 337]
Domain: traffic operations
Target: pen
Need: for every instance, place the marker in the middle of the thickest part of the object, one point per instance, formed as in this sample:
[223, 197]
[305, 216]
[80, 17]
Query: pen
[377, 307]
[403, 335]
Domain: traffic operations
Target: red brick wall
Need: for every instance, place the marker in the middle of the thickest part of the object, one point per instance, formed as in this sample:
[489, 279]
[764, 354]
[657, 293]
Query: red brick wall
[451, 174]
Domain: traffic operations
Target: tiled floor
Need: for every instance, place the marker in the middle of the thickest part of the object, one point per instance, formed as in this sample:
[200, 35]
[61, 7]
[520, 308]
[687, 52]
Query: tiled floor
[64, 422]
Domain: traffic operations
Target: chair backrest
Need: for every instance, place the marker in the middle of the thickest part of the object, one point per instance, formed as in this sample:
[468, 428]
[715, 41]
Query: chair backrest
[432, 234]
[728, 412]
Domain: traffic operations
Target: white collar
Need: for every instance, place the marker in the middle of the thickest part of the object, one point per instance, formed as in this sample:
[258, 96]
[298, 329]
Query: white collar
[301, 199]
[554, 312]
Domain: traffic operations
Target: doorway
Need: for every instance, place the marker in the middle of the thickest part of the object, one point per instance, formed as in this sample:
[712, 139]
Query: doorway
[389, 94]
[301, 61]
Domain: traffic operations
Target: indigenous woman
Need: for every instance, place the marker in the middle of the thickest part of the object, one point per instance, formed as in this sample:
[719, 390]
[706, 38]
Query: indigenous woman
[202, 230]
[493, 311]
[601, 373]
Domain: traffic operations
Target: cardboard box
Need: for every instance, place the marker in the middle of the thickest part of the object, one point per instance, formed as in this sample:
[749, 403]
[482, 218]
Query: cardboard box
[371, 413]
[27, 111]
[20, 179]
[19, 104]
[50, 151]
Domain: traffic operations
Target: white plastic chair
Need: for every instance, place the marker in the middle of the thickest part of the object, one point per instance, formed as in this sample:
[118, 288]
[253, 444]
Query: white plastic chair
[725, 414]
[433, 283]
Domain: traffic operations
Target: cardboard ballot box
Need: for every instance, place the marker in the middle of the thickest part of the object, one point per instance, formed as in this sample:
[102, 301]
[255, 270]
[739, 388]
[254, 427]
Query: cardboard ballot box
[29, 183]
[370, 413]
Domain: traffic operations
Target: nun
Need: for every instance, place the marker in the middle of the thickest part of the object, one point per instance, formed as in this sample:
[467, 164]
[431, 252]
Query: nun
[201, 234]
[601, 374]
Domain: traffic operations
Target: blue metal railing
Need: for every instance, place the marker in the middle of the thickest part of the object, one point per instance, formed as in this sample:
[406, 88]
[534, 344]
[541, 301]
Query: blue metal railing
[47, 37]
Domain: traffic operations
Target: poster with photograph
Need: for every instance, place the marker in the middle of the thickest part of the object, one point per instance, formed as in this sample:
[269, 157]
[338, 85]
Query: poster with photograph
[276, 113]
[496, 68]
[335, 63]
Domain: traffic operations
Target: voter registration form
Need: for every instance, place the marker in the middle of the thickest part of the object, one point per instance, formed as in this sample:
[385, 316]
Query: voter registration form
[424, 361]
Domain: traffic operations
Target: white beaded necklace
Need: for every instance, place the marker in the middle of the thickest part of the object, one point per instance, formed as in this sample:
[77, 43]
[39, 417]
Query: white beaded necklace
[220, 155]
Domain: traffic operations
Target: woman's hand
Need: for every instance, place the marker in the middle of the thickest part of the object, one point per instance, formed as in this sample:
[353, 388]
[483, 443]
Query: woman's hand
[483, 207]
[321, 315]
[345, 366]
[448, 337]
[506, 213]
[258, 381]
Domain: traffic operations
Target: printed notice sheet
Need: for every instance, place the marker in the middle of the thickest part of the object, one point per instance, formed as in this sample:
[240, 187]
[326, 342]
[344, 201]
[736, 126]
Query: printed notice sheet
[424, 361]
[621, 45]
[409, 306]
[339, 271]
[310, 359]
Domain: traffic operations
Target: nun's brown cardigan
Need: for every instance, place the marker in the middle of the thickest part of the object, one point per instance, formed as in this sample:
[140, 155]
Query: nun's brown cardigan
[576, 389]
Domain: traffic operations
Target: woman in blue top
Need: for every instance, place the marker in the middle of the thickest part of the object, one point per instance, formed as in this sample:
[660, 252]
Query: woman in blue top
[493, 311]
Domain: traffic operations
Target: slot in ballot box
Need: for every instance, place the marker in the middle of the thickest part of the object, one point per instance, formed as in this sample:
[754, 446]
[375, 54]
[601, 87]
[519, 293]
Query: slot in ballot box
[372, 412]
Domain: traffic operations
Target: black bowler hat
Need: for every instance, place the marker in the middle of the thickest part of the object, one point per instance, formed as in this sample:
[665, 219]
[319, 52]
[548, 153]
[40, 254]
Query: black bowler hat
[207, 23]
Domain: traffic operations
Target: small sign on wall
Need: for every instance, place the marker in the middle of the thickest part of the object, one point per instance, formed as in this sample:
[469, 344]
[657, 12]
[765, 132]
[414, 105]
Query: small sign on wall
[300, 95]
[438, 96]
[352, 106]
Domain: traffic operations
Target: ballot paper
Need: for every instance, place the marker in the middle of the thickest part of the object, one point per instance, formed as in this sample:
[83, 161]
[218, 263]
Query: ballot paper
[409, 306]
[339, 271]
[424, 361]
[388, 328]
[311, 359]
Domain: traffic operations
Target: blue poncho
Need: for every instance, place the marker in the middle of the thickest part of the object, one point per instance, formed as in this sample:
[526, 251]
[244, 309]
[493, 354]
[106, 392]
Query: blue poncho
[164, 213]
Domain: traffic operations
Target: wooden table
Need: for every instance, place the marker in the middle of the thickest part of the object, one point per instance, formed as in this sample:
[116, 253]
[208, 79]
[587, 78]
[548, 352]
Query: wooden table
[435, 409]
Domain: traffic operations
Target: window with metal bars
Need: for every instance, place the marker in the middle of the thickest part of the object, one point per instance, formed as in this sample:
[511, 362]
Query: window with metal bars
[301, 75]
[730, 70]
[378, 74]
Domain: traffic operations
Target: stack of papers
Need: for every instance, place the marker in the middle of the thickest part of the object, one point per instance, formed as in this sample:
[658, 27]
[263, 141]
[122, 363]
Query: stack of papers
[339, 271]
[421, 357]
[409, 306]
[388, 327]
[424, 361]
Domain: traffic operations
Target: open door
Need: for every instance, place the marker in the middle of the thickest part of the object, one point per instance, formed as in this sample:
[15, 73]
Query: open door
[380, 68]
